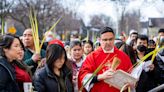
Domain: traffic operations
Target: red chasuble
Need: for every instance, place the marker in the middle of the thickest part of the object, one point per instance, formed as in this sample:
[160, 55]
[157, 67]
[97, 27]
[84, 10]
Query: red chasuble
[94, 59]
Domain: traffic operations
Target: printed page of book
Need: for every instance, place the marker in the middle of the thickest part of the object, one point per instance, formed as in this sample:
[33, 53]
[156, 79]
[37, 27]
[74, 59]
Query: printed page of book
[120, 78]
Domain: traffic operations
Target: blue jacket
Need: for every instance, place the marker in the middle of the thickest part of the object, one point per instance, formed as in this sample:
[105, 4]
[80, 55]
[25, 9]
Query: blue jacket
[7, 77]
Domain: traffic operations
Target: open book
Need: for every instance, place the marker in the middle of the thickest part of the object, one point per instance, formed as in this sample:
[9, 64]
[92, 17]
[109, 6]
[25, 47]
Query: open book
[120, 78]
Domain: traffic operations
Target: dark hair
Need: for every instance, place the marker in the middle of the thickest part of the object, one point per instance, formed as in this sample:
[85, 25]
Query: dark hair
[119, 44]
[106, 29]
[66, 43]
[75, 43]
[132, 42]
[131, 53]
[6, 42]
[128, 50]
[143, 37]
[87, 41]
[54, 52]
[161, 30]
[151, 42]
[134, 33]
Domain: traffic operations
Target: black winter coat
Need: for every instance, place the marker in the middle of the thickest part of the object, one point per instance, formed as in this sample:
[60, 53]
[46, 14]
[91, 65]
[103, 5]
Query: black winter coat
[7, 77]
[46, 81]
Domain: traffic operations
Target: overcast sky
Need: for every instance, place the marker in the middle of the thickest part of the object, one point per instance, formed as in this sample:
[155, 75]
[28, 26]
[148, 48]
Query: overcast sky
[85, 9]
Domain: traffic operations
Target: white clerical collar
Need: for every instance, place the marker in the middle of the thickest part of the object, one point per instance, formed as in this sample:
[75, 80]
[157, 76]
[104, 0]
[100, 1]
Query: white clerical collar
[111, 51]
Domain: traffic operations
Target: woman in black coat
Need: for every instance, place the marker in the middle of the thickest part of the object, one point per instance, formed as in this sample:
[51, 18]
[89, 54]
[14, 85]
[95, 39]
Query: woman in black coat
[54, 76]
[10, 48]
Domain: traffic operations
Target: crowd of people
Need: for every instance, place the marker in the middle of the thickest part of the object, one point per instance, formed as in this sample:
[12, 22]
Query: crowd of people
[70, 66]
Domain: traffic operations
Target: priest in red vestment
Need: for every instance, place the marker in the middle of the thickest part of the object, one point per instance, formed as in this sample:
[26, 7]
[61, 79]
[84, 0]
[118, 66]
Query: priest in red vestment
[106, 51]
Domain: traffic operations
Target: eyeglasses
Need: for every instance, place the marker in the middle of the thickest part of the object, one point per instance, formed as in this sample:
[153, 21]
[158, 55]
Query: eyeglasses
[110, 39]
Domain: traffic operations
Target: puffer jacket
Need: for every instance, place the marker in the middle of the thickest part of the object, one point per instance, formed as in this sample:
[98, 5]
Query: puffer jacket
[46, 81]
[7, 77]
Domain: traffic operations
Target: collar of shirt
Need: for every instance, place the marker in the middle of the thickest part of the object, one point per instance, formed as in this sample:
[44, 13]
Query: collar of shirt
[111, 51]
[31, 50]
[79, 64]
